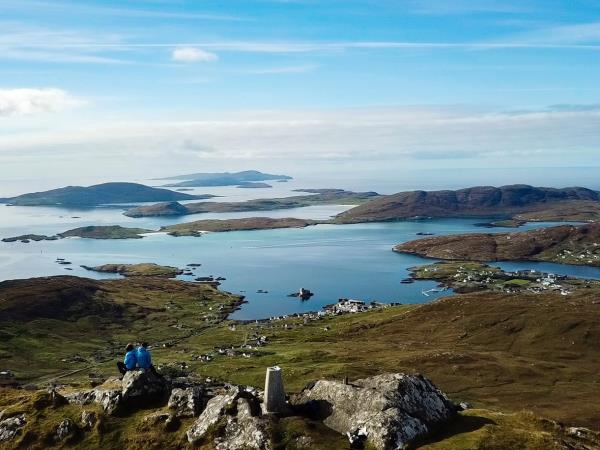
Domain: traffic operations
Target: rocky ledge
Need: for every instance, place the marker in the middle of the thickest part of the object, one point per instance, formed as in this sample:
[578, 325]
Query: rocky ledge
[384, 412]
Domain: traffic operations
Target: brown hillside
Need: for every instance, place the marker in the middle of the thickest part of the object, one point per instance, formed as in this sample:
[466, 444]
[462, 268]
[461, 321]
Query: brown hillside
[563, 244]
[480, 201]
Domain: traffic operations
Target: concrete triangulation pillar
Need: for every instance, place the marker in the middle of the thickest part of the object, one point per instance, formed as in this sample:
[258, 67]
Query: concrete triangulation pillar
[274, 401]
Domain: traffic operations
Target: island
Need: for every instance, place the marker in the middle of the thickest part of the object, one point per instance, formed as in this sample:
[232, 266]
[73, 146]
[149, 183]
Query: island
[316, 197]
[223, 179]
[249, 185]
[105, 232]
[138, 270]
[25, 238]
[89, 232]
[521, 202]
[100, 194]
[251, 223]
[565, 244]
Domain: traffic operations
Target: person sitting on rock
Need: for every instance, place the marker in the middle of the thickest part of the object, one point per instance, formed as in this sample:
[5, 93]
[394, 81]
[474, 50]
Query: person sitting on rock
[130, 360]
[144, 359]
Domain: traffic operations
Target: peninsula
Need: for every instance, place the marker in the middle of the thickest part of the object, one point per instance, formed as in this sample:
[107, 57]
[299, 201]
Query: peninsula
[520, 202]
[99, 194]
[566, 244]
[316, 197]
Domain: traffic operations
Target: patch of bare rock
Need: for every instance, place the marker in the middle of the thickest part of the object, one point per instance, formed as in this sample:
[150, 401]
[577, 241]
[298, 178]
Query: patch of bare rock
[386, 411]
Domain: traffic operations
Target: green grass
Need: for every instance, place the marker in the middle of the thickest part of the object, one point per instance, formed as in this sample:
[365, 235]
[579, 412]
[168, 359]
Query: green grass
[499, 351]
[517, 282]
[131, 310]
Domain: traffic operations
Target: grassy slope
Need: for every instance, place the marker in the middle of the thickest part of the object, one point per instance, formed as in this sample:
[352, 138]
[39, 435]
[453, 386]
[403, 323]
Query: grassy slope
[44, 322]
[498, 351]
[510, 352]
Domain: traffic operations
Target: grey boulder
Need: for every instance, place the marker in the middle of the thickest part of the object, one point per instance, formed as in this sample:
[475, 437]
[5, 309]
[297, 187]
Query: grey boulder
[9, 428]
[389, 411]
[244, 431]
[215, 408]
[65, 429]
[142, 385]
[186, 402]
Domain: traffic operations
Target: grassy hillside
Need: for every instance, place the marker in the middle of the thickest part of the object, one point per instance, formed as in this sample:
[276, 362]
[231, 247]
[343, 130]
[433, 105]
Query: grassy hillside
[503, 353]
[57, 324]
[511, 352]
[532, 203]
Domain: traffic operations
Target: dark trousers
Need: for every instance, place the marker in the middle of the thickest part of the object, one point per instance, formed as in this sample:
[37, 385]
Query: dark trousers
[122, 368]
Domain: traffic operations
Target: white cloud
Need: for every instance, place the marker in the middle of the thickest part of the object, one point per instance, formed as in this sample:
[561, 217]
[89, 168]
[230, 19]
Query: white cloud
[193, 54]
[19, 102]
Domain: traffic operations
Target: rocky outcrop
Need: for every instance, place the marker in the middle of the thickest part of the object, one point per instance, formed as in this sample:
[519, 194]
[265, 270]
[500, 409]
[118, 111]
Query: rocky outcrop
[107, 395]
[142, 386]
[88, 419]
[213, 412]
[11, 427]
[137, 387]
[389, 411]
[64, 430]
[244, 430]
[186, 402]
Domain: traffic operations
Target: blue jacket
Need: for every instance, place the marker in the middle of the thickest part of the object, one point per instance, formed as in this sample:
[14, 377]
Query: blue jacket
[144, 360]
[130, 360]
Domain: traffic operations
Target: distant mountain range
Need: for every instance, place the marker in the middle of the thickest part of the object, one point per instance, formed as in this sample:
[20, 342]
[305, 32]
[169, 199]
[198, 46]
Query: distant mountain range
[99, 194]
[223, 179]
[480, 201]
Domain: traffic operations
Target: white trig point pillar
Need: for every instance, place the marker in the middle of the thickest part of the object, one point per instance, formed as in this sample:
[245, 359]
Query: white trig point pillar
[274, 401]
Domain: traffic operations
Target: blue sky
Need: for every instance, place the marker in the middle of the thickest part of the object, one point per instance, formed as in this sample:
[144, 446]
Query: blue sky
[134, 87]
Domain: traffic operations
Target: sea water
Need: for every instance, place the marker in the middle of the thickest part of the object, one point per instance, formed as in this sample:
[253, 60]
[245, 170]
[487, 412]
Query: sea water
[333, 261]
